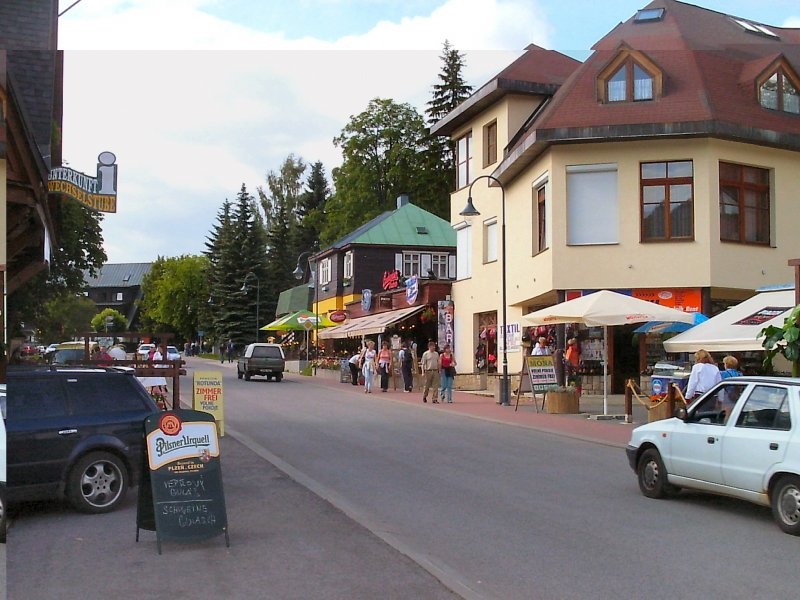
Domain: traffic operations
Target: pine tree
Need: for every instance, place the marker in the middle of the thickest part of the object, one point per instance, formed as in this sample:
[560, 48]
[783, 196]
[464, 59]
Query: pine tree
[311, 210]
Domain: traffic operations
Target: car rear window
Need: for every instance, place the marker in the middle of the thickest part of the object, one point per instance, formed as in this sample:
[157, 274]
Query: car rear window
[91, 394]
[267, 352]
[39, 398]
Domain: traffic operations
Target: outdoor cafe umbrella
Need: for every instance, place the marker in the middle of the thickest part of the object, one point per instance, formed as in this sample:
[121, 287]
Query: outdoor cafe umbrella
[667, 327]
[297, 322]
[604, 308]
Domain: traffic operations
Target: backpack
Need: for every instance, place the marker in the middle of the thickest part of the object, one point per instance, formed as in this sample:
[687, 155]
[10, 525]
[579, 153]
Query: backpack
[408, 358]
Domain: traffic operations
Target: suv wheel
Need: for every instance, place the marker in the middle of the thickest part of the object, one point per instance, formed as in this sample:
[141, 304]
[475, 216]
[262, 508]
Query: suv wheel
[786, 504]
[97, 483]
[279, 376]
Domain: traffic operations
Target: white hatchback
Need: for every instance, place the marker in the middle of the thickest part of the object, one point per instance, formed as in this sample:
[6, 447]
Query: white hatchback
[740, 439]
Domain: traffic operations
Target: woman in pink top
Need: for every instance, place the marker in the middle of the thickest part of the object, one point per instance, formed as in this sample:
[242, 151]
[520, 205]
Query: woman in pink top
[384, 365]
[448, 373]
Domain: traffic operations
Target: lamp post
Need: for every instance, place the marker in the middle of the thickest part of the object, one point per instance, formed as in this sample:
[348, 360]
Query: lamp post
[298, 274]
[258, 295]
[471, 211]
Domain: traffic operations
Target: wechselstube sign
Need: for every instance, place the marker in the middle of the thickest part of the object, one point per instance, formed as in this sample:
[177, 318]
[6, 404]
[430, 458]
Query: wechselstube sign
[180, 494]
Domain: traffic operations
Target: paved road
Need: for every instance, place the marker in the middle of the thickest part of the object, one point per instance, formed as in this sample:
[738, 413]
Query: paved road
[505, 512]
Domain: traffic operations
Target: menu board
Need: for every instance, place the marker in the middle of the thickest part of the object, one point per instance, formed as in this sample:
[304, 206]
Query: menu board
[542, 372]
[181, 496]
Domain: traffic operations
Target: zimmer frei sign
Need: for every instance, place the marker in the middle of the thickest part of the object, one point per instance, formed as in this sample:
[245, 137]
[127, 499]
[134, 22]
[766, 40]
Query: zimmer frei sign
[99, 193]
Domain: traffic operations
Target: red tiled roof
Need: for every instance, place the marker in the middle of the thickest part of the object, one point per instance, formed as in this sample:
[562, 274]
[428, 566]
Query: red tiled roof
[709, 65]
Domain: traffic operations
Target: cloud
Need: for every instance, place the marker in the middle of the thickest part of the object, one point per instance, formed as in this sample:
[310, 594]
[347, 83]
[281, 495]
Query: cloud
[792, 22]
[194, 105]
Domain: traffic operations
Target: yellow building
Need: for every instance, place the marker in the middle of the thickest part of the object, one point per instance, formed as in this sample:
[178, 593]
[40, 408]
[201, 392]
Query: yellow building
[665, 166]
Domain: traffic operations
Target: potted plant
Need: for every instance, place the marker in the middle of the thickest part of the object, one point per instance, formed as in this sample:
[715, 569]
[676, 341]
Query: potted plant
[784, 340]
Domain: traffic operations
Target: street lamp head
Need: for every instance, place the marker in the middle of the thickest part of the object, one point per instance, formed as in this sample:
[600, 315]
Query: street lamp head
[243, 288]
[298, 272]
[469, 209]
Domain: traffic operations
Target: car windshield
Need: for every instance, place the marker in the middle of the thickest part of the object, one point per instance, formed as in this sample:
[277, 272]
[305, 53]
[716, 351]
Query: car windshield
[61, 357]
[267, 352]
[172, 349]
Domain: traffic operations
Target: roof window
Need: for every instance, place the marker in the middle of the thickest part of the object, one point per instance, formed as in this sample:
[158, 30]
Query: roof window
[751, 27]
[422, 230]
[649, 14]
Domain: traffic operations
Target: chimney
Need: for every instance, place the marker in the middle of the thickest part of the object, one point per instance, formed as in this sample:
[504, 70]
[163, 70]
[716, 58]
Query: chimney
[402, 200]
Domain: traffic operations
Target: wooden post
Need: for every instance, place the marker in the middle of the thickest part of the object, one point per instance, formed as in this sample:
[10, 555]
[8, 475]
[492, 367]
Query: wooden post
[628, 403]
[671, 399]
[795, 262]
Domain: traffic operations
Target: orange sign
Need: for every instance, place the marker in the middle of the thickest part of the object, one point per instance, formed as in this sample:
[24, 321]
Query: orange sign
[685, 299]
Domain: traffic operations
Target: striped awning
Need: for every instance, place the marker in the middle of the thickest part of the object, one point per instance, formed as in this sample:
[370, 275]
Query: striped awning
[369, 325]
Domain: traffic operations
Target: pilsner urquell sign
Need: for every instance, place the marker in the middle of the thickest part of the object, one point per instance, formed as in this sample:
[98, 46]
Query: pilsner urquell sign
[99, 193]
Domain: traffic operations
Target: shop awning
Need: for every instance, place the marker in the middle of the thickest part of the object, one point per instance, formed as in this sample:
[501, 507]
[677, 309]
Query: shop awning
[738, 328]
[370, 325]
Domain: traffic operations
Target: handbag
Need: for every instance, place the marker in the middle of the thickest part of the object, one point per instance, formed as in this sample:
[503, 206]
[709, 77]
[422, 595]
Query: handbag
[450, 371]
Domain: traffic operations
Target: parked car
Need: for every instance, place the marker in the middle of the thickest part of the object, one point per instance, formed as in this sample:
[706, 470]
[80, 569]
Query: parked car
[261, 359]
[143, 350]
[172, 353]
[50, 349]
[27, 349]
[740, 439]
[67, 352]
[75, 432]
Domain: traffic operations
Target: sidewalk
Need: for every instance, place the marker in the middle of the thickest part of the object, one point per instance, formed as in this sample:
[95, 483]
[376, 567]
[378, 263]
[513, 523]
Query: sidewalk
[480, 405]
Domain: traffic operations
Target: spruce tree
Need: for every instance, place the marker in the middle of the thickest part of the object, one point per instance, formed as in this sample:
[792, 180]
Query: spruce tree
[311, 210]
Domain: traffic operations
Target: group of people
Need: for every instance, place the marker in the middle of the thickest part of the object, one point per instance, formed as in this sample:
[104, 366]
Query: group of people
[705, 374]
[438, 370]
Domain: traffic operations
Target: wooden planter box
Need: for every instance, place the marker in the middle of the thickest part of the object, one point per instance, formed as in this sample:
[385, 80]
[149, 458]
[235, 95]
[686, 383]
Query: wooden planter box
[662, 411]
[562, 402]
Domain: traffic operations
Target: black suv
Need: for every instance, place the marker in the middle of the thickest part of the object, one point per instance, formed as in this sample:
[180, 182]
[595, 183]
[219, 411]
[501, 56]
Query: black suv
[75, 432]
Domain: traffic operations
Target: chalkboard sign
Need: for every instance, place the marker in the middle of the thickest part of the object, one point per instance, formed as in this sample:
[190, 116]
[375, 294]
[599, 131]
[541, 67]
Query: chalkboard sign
[180, 495]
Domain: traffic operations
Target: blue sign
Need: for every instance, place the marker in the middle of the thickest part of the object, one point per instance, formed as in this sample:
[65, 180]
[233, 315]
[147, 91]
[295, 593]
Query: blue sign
[366, 300]
[412, 289]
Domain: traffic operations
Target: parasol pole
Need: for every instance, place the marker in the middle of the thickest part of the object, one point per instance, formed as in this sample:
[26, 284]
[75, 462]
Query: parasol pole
[605, 369]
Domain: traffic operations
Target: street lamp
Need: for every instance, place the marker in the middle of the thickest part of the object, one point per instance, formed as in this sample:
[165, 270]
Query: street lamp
[471, 211]
[298, 274]
[258, 295]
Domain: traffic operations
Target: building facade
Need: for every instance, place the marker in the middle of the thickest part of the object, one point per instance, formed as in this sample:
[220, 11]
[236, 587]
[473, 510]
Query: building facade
[119, 286]
[665, 166]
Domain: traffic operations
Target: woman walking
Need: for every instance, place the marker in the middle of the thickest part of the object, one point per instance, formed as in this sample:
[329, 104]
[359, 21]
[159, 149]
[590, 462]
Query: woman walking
[384, 365]
[369, 366]
[448, 362]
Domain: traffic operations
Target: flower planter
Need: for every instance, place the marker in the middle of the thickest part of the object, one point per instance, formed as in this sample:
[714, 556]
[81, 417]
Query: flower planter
[662, 411]
[562, 403]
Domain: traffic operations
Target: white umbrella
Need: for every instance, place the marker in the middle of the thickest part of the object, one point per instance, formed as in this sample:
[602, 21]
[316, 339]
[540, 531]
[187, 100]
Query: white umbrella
[606, 308]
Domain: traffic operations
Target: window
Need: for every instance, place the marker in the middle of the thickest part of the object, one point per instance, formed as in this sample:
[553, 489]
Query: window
[325, 271]
[630, 82]
[439, 263]
[464, 160]
[751, 27]
[410, 264]
[92, 395]
[36, 399]
[490, 241]
[348, 265]
[490, 144]
[119, 296]
[541, 219]
[592, 204]
[717, 407]
[780, 92]
[463, 251]
[649, 14]
[767, 407]
[667, 195]
[744, 204]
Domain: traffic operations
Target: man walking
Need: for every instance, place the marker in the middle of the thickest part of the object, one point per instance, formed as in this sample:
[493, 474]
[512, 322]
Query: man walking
[430, 372]
[406, 367]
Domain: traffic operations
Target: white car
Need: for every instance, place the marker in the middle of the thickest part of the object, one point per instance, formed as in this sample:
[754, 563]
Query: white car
[143, 350]
[740, 439]
[172, 353]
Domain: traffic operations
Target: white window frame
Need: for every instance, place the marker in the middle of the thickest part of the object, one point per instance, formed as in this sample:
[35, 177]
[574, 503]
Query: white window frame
[347, 268]
[439, 265]
[491, 236]
[592, 210]
[119, 296]
[464, 157]
[464, 250]
[325, 271]
[543, 181]
[411, 264]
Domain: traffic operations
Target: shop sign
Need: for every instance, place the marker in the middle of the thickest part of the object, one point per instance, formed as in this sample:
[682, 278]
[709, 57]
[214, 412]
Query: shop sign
[685, 299]
[412, 289]
[207, 396]
[765, 314]
[513, 338]
[366, 300]
[391, 280]
[446, 334]
[542, 372]
[180, 495]
[99, 193]
[338, 316]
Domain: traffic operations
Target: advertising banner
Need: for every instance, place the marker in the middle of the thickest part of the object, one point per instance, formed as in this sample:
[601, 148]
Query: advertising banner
[542, 372]
[445, 312]
[99, 193]
[207, 396]
[513, 338]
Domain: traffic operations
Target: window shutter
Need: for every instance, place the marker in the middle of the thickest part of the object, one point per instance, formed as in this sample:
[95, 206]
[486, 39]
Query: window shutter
[451, 266]
[398, 262]
[425, 266]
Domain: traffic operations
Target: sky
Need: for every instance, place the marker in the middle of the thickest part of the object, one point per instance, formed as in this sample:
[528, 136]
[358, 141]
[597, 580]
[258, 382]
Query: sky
[197, 97]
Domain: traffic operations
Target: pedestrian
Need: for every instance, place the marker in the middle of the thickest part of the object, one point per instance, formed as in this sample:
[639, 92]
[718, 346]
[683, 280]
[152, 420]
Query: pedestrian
[369, 366]
[229, 351]
[572, 361]
[103, 355]
[448, 364]
[541, 348]
[406, 367]
[384, 365]
[353, 364]
[430, 372]
[731, 364]
[704, 375]
[222, 348]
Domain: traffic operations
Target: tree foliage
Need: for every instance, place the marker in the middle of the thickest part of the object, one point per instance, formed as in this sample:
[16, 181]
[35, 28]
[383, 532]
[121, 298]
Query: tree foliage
[109, 320]
[175, 295]
[784, 340]
[64, 316]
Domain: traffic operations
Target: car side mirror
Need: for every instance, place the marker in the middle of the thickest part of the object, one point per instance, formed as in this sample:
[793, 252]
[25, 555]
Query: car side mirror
[681, 414]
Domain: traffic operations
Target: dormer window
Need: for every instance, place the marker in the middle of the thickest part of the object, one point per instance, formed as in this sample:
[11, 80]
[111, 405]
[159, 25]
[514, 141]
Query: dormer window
[780, 92]
[630, 77]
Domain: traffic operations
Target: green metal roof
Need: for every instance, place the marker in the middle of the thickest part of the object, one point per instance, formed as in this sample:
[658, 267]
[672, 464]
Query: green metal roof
[294, 299]
[409, 225]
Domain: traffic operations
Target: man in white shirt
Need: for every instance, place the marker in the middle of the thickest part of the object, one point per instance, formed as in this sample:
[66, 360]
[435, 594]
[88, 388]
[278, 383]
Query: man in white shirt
[541, 349]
